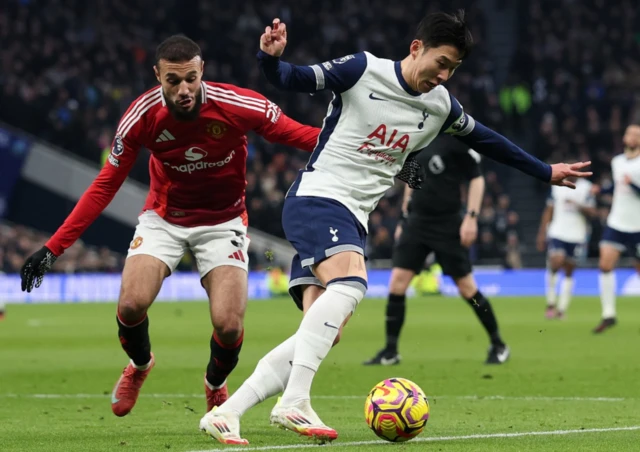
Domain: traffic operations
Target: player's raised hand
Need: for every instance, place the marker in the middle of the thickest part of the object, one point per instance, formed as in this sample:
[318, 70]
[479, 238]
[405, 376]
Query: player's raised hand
[274, 39]
[35, 267]
[561, 171]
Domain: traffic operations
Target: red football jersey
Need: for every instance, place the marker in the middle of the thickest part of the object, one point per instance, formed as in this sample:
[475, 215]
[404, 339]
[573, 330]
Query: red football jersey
[197, 167]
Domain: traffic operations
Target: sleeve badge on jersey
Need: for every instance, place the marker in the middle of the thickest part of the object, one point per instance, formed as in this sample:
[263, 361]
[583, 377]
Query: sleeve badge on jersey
[118, 147]
[216, 129]
[327, 65]
[273, 112]
[344, 59]
[460, 123]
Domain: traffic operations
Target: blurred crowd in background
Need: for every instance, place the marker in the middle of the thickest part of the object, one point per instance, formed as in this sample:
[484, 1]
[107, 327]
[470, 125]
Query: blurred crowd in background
[70, 70]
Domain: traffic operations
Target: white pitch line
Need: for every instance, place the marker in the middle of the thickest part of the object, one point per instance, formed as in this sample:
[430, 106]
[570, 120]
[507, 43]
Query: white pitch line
[333, 397]
[439, 438]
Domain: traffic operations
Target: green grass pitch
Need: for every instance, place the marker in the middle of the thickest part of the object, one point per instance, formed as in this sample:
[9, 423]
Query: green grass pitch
[563, 389]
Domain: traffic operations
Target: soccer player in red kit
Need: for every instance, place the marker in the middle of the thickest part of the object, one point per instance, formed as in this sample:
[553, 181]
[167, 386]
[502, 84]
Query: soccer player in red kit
[196, 132]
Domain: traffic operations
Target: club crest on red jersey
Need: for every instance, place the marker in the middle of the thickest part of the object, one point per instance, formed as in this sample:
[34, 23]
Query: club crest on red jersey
[216, 129]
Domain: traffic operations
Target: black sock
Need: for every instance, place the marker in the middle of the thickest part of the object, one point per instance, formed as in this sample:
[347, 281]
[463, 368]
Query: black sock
[135, 340]
[394, 320]
[224, 358]
[483, 310]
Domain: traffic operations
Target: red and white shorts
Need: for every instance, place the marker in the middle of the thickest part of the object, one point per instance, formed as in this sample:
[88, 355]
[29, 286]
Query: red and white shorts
[212, 246]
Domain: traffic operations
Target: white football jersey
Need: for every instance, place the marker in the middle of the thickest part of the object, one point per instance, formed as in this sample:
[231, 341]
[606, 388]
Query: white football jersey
[373, 123]
[625, 209]
[568, 223]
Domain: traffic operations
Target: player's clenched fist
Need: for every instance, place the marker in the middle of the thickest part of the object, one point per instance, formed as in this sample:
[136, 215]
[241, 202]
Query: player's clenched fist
[274, 39]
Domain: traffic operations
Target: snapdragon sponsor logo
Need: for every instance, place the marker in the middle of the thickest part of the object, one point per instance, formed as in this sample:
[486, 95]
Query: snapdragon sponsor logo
[195, 158]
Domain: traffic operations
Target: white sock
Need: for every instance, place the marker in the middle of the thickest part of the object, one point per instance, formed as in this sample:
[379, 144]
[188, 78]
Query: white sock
[316, 334]
[212, 387]
[143, 367]
[608, 294]
[552, 281]
[269, 378]
[566, 290]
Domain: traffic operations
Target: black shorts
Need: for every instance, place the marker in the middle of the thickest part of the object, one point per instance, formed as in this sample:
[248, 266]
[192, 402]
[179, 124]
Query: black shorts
[420, 237]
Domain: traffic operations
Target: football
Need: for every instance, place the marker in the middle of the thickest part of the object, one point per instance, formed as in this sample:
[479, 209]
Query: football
[396, 409]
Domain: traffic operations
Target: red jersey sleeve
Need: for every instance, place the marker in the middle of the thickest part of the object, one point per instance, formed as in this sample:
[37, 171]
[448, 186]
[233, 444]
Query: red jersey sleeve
[124, 150]
[277, 127]
[266, 119]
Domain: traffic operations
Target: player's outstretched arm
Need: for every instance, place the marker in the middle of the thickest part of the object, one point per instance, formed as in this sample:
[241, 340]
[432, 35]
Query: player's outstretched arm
[500, 149]
[89, 206]
[337, 75]
[290, 132]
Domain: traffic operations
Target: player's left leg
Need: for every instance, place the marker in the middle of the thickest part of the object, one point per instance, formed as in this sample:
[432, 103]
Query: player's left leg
[468, 289]
[344, 276]
[226, 288]
[221, 255]
[331, 240]
[555, 261]
[611, 247]
[268, 379]
[566, 288]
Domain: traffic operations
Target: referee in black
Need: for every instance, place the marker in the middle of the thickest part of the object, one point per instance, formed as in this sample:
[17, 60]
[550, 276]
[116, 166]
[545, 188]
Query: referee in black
[432, 222]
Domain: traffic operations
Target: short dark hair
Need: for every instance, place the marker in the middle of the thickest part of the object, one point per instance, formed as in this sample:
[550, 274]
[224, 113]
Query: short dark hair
[177, 48]
[439, 28]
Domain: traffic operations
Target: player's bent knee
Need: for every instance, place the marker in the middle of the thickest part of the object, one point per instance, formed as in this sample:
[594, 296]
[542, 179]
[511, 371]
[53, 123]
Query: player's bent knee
[229, 330]
[340, 265]
[467, 286]
[131, 309]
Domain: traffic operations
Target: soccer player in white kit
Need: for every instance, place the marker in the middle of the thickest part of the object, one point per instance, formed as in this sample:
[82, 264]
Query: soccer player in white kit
[565, 225]
[382, 111]
[623, 224]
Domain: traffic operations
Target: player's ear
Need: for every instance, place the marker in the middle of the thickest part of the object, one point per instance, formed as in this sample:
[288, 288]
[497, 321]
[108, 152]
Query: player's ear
[157, 72]
[202, 67]
[415, 49]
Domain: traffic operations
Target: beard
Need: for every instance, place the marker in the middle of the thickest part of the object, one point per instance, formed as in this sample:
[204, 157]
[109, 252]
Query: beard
[180, 114]
[632, 152]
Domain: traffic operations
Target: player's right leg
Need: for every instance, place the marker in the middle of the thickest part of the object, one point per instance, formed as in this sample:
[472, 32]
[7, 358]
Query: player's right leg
[331, 240]
[611, 247]
[555, 261]
[566, 287]
[272, 372]
[153, 254]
